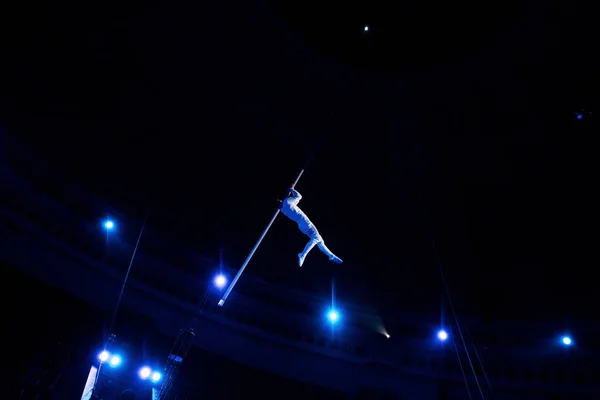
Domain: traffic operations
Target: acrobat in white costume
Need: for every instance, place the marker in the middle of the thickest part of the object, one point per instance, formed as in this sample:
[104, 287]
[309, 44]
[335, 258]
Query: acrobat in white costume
[289, 208]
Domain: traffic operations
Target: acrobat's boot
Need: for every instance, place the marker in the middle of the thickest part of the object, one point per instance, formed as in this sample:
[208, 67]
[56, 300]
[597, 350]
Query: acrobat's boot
[336, 259]
[311, 243]
[326, 251]
[301, 258]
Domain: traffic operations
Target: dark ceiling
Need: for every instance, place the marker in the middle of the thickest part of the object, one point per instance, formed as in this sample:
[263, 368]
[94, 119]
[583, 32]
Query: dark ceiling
[463, 112]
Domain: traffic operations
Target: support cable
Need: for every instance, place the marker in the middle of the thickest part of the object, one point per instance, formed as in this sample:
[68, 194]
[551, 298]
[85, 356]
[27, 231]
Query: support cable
[120, 298]
[462, 368]
[451, 304]
[480, 361]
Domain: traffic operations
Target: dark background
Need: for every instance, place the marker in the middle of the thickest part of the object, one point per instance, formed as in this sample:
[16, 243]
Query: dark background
[459, 115]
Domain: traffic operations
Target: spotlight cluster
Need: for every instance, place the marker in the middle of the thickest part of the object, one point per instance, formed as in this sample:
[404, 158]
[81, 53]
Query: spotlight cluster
[147, 373]
[115, 360]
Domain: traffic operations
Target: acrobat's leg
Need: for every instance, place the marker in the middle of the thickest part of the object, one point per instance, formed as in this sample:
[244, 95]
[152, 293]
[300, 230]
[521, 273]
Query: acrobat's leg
[313, 233]
[311, 243]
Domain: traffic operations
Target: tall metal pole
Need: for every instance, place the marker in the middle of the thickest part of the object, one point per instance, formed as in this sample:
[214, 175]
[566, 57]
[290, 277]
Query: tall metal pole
[245, 264]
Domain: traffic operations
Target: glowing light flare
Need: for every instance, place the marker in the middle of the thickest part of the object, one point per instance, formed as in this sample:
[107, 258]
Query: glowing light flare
[156, 376]
[333, 316]
[145, 372]
[220, 281]
[566, 340]
[115, 361]
[103, 356]
[442, 335]
[109, 225]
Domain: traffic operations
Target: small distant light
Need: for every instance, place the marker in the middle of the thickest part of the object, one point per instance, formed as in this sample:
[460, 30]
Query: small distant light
[156, 376]
[366, 28]
[109, 225]
[103, 356]
[442, 335]
[567, 341]
[115, 361]
[387, 335]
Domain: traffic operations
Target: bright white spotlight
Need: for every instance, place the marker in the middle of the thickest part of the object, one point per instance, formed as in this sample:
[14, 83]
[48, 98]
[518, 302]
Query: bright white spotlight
[366, 28]
[115, 361]
[387, 335]
[333, 316]
[156, 376]
[145, 372]
[220, 281]
[442, 335]
[103, 356]
[567, 341]
[108, 225]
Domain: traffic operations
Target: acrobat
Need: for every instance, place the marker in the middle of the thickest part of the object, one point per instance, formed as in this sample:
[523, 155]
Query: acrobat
[289, 208]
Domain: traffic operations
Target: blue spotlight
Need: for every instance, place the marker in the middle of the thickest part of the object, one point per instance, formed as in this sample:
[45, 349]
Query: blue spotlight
[366, 28]
[220, 281]
[115, 361]
[333, 316]
[104, 356]
[566, 340]
[145, 372]
[156, 377]
[442, 335]
[109, 225]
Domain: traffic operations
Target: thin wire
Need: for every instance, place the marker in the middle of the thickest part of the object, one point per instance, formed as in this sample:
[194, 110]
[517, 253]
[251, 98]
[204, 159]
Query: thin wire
[443, 276]
[462, 369]
[205, 298]
[221, 260]
[463, 340]
[485, 375]
[135, 249]
[120, 298]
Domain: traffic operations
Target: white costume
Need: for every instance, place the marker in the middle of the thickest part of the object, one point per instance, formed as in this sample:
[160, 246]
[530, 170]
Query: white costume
[290, 209]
